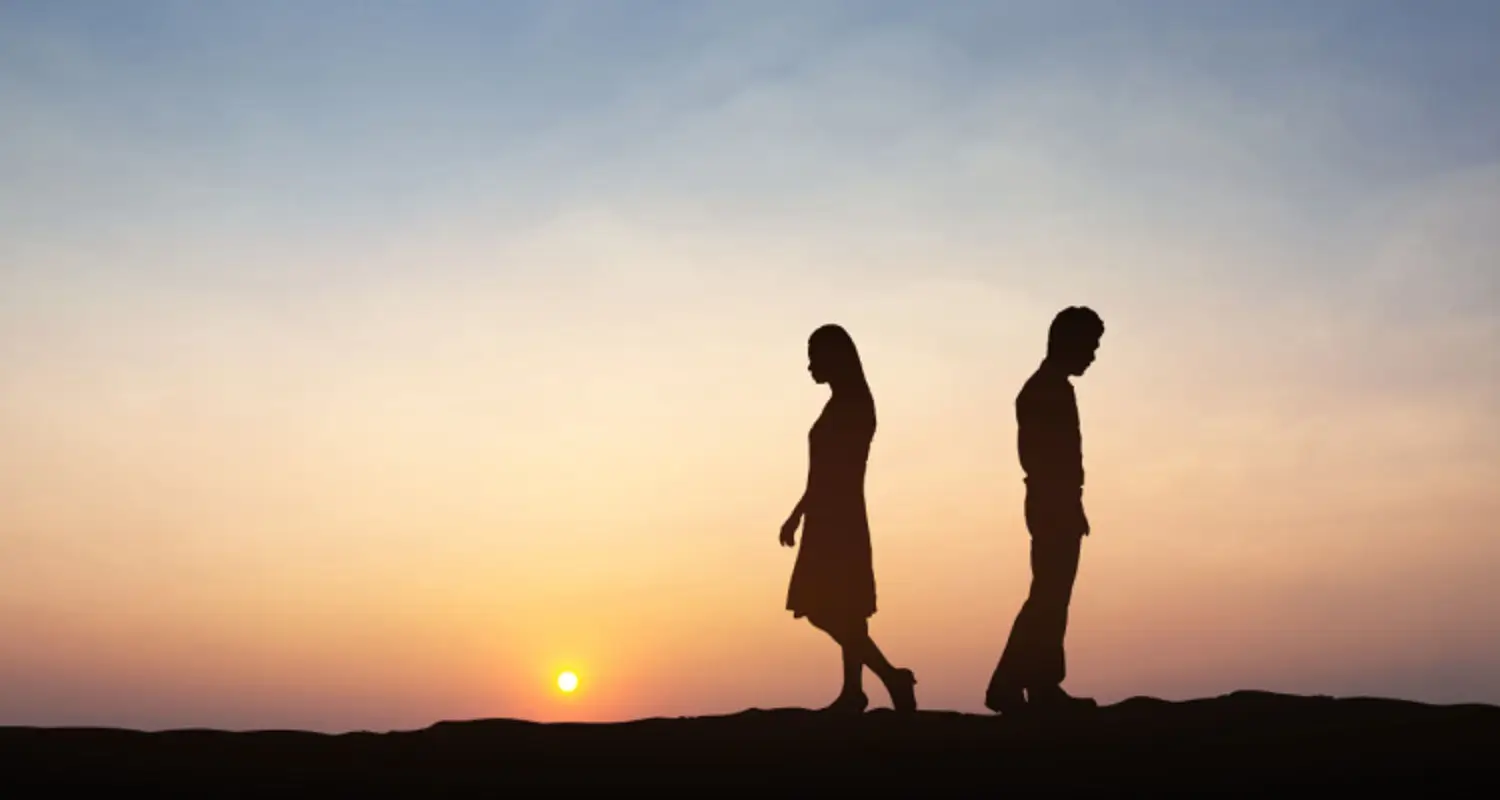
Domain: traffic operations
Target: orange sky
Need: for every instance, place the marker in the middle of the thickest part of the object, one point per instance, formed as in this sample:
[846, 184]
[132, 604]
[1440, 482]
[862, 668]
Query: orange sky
[382, 539]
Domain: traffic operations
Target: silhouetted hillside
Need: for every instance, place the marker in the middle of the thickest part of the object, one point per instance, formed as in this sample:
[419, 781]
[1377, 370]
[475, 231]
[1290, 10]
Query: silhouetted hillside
[1247, 741]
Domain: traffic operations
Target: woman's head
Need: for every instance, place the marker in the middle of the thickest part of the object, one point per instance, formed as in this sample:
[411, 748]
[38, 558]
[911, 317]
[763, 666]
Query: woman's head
[833, 359]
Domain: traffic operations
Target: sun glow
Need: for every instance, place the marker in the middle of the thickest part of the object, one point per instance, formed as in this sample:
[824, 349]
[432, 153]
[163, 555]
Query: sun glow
[567, 681]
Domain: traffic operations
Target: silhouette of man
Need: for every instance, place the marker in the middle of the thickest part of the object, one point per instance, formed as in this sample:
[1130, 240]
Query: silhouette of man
[1032, 668]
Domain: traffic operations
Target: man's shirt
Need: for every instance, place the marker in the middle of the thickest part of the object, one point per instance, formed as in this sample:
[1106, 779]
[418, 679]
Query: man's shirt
[1048, 437]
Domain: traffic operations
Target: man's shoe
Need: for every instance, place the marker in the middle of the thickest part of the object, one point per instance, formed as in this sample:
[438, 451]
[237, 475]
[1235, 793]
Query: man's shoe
[1005, 698]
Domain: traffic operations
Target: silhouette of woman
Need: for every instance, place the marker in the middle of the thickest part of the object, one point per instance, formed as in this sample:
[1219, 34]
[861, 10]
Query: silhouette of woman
[833, 582]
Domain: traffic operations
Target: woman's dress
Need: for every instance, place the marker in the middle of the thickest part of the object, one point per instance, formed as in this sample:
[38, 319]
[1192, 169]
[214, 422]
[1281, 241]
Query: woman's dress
[834, 577]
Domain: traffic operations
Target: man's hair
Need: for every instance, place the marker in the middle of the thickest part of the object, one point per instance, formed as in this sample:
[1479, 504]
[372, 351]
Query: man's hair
[1074, 324]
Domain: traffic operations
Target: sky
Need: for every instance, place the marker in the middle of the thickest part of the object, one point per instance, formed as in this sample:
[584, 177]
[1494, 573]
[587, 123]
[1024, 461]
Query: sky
[364, 365]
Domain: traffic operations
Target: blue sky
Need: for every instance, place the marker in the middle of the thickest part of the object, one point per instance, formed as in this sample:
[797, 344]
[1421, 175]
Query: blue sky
[1300, 130]
[382, 108]
[307, 122]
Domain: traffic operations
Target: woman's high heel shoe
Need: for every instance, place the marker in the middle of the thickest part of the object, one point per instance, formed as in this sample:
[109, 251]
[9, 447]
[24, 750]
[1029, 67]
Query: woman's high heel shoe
[903, 691]
[848, 704]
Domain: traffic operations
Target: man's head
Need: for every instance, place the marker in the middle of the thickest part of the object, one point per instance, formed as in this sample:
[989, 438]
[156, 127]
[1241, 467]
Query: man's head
[1073, 338]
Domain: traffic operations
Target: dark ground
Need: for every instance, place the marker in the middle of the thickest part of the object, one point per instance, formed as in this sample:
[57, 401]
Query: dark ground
[1247, 742]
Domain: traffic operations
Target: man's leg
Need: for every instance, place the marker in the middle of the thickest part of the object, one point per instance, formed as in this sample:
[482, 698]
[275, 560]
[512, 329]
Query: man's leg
[1055, 562]
[1018, 663]
[1056, 565]
[1005, 692]
[1033, 659]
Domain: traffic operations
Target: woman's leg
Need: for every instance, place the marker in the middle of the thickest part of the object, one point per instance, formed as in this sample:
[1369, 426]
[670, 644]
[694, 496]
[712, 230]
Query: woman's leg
[899, 682]
[853, 635]
[871, 655]
[854, 671]
[853, 654]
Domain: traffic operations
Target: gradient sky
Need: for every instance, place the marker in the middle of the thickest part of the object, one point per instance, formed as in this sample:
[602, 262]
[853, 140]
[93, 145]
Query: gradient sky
[364, 364]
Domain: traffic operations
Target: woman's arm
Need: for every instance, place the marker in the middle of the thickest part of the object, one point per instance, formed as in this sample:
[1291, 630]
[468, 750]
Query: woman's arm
[802, 501]
[794, 520]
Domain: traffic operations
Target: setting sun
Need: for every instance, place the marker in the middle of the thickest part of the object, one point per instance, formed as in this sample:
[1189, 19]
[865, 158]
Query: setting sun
[567, 681]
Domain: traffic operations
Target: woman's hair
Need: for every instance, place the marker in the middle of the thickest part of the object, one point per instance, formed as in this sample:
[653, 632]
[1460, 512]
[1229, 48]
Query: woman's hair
[843, 357]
